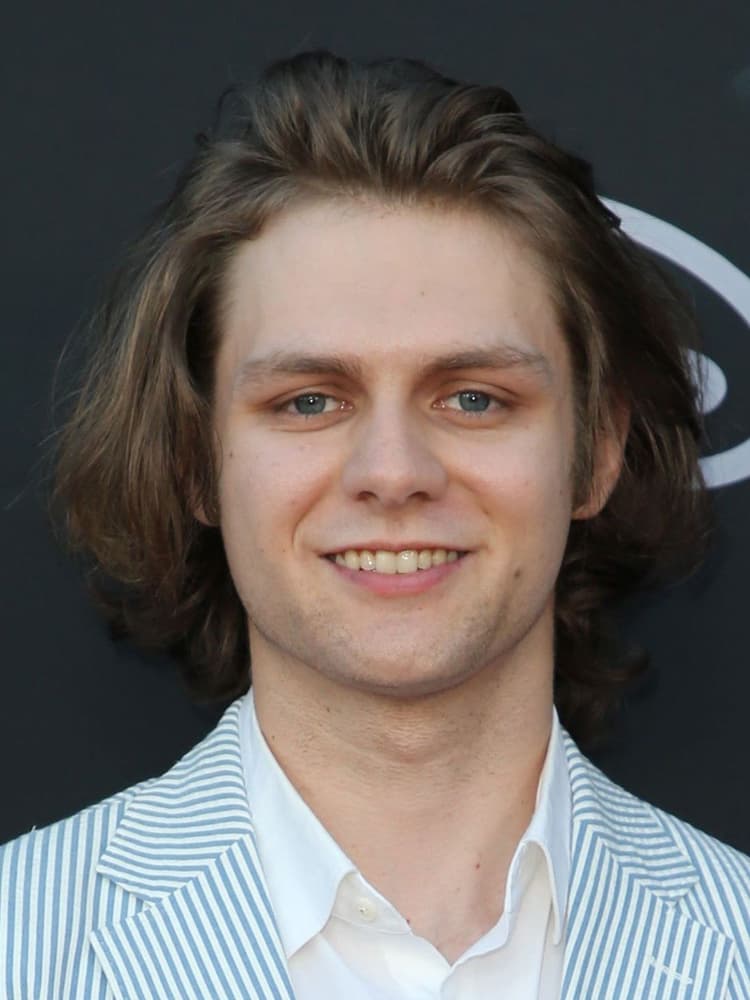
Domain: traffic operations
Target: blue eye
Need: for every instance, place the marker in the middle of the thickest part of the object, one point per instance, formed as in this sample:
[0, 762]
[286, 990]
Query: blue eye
[473, 402]
[309, 404]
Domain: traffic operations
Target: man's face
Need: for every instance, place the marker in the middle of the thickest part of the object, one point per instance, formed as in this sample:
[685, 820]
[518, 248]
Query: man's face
[393, 381]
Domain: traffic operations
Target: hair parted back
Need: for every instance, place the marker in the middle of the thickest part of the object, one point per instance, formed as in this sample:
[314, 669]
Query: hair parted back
[136, 456]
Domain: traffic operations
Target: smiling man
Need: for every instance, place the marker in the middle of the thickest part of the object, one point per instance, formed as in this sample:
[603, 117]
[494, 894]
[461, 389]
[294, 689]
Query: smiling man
[387, 410]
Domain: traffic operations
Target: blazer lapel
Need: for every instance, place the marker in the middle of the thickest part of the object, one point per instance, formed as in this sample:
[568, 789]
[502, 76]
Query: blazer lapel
[185, 858]
[186, 849]
[627, 936]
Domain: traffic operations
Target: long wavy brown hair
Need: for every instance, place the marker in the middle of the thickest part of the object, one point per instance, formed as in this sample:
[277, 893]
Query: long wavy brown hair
[136, 455]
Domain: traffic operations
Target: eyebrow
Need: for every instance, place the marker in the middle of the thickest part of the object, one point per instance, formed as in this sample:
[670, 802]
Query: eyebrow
[255, 371]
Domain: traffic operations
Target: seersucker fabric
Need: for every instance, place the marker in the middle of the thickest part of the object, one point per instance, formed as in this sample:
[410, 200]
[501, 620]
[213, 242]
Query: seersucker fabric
[158, 893]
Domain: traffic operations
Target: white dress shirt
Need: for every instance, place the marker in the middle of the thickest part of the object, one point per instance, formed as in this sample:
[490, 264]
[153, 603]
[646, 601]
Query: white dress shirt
[343, 939]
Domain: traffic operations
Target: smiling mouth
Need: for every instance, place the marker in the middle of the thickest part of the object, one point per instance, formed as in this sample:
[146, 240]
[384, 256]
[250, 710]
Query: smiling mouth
[390, 563]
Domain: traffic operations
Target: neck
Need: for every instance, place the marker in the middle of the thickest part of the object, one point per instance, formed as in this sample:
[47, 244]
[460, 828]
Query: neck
[427, 796]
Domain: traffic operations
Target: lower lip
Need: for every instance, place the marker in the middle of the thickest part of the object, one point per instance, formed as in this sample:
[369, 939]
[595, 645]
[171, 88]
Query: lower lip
[398, 584]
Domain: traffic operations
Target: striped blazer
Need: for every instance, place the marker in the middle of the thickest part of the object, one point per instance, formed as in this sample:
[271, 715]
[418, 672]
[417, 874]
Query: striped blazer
[158, 893]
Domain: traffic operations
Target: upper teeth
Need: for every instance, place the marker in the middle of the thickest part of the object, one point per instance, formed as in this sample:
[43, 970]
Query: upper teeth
[405, 561]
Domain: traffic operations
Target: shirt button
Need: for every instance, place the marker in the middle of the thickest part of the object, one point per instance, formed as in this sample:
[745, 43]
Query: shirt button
[367, 909]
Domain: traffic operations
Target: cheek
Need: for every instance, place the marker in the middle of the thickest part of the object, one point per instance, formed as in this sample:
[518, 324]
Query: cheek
[527, 502]
[530, 479]
[266, 486]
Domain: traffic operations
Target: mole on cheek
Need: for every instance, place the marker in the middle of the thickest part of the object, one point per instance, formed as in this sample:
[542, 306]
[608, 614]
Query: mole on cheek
[517, 573]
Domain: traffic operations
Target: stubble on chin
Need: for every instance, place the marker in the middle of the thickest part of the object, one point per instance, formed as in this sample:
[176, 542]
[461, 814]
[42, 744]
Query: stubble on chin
[393, 661]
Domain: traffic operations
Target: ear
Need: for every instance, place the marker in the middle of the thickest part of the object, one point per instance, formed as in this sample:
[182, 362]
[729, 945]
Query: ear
[199, 490]
[199, 506]
[199, 514]
[609, 452]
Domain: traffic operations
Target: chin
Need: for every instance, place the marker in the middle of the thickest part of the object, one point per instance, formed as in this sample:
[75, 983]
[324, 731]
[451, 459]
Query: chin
[395, 684]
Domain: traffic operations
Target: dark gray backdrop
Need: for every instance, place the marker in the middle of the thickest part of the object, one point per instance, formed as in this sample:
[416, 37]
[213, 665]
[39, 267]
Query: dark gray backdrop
[100, 105]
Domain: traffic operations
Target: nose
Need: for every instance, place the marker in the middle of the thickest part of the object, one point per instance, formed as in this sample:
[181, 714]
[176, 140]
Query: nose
[392, 460]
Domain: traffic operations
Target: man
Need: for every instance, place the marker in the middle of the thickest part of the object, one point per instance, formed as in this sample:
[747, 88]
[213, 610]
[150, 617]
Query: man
[385, 404]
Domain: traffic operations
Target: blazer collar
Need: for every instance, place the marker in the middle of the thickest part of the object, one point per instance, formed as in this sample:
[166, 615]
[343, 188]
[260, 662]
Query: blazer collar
[194, 918]
[186, 849]
[627, 936]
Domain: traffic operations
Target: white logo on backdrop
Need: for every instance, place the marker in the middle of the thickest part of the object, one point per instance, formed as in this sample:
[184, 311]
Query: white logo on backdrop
[732, 285]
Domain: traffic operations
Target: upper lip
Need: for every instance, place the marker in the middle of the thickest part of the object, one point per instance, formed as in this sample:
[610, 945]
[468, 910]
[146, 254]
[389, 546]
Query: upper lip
[394, 547]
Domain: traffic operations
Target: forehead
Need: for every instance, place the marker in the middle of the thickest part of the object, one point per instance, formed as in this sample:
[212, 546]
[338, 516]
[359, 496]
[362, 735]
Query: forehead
[389, 285]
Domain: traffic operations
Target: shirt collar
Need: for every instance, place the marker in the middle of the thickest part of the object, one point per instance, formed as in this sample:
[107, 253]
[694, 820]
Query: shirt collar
[304, 866]
[549, 829]
[301, 861]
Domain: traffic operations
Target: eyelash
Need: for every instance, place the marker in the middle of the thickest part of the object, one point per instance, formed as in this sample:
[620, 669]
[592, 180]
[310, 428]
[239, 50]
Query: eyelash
[286, 406]
[501, 404]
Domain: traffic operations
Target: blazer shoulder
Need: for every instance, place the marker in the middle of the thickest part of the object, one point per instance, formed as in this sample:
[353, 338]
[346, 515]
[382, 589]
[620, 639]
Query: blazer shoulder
[49, 893]
[631, 821]
[708, 852]
[74, 843]
[712, 858]
[724, 871]
[717, 876]
[720, 897]
[60, 883]
[65, 834]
